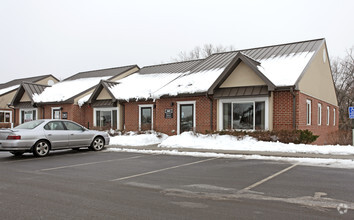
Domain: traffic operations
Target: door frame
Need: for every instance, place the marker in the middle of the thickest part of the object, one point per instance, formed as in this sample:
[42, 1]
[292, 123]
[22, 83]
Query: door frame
[179, 114]
[152, 115]
[56, 109]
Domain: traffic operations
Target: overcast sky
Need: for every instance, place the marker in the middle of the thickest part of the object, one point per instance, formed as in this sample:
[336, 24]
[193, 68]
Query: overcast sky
[64, 37]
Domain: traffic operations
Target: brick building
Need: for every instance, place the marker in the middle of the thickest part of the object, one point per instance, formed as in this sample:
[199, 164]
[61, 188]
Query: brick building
[61, 100]
[8, 91]
[277, 87]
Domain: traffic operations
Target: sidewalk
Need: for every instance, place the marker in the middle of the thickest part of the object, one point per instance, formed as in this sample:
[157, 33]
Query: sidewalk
[236, 152]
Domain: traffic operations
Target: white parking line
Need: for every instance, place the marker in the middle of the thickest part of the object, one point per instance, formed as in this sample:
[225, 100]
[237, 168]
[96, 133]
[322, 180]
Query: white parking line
[160, 170]
[91, 163]
[268, 178]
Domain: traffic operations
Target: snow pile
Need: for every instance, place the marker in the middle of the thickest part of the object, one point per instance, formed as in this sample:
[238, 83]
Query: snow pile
[66, 89]
[227, 142]
[8, 89]
[334, 163]
[190, 83]
[134, 139]
[285, 70]
[141, 86]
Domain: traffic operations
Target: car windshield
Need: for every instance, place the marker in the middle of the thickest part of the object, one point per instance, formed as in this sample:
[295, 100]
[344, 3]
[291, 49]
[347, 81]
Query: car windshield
[29, 125]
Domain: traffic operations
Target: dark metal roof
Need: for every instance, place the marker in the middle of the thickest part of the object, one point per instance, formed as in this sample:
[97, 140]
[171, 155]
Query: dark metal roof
[24, 105]
[19, 81]
[241, 91]
[103, 103]
[221, 60]
[178, 67]
[32, 88]
[101, 73]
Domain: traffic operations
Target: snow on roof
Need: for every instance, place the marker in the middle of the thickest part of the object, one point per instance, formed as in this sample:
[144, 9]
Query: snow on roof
[66, 89]
[190, 83]
[285, 70]
[141, 86]
[8, 89]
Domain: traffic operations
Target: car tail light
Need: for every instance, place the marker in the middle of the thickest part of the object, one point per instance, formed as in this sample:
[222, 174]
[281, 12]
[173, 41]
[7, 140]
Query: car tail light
[14, 137]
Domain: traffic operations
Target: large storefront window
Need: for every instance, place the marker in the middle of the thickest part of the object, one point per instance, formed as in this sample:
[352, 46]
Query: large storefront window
[5, 117]
[243, 115]
[106, 118]
[28, 115]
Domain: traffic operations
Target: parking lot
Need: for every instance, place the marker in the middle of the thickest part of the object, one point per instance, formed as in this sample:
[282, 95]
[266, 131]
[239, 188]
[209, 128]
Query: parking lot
[110, 185]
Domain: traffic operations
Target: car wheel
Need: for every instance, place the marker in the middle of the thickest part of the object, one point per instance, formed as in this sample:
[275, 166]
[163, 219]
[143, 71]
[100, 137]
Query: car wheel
[17, 153]
[97, 144]
[41, 149]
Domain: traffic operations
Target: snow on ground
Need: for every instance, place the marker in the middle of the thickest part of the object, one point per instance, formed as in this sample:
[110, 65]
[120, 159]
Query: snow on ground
[333, 163]
[133, 139]
[227, 142]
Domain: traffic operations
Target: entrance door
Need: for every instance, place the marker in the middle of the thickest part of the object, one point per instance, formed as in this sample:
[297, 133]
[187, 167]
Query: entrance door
[186, 118]
[56, 113]
[145, 120]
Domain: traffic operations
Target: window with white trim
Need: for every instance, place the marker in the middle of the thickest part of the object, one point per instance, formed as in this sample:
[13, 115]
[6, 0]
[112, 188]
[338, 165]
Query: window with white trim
[5, 116]
[56, 112]
[106, 117]
[334, 117]
[308, 112]
[327, 115]
[319, 113]
[243, 114]
[28, 115]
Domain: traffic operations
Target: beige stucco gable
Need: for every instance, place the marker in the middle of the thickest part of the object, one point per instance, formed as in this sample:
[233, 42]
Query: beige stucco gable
[6, 99]
[25, 98]
[243, 75]
[317, 79]
[46, 80]
[104, 95]
[127, 73]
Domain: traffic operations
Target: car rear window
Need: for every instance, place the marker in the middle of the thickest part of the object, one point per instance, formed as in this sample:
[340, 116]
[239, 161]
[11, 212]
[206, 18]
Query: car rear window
[29, 125]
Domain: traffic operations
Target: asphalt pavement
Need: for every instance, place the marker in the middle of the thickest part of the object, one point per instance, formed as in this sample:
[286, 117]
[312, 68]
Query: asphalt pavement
[110, 185]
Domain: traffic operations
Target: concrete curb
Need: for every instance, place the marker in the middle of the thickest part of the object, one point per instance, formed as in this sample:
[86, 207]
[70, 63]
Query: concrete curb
[237, 152]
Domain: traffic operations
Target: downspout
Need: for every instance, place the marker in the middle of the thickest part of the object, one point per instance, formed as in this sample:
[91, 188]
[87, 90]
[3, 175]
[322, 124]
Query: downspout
[294, 106]
[211, 112]
[43, 113]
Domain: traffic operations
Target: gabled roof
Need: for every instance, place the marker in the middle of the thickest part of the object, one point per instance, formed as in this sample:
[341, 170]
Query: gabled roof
[109, 72]
[14, 84]
[69, 89]
[30, 89]
[177, 67]
[104, 84]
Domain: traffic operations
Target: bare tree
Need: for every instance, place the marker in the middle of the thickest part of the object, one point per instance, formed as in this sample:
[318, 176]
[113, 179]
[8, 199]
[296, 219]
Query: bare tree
[201, 52]
[343, 76]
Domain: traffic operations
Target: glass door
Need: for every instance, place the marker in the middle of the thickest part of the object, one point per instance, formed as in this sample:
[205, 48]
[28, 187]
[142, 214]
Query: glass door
[186, 118]
[145, 120]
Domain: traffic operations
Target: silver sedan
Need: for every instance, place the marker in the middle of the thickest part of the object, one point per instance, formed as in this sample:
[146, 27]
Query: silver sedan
[42, 136]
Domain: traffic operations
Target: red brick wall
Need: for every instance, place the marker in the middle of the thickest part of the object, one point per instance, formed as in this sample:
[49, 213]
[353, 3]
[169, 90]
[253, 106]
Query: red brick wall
[283, 114]
[169, 125]
[322, 130]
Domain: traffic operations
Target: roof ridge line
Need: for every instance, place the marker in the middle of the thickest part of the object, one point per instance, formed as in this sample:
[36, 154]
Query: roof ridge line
[108, 68]
[162, 64]
[275, 45]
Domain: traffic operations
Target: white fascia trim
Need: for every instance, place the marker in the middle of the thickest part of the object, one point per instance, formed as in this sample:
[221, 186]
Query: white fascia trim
[178, 114]
[152, 114]
[244, 100]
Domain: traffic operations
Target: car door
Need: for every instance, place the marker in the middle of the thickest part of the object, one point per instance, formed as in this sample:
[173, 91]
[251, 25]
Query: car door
[57, 135]
[78, 136]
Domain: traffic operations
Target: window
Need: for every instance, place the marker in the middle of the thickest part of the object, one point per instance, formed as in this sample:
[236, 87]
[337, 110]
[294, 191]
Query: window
[334, 117]
[308, 112]
[145, 117]
[5, 116]
[72, 126]
[319, 113]
[106, 117]
[244, 115]
[54, 126]
[28, 115]
[29, 125]
[327, 115]
[56, 113]
[186, 120]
